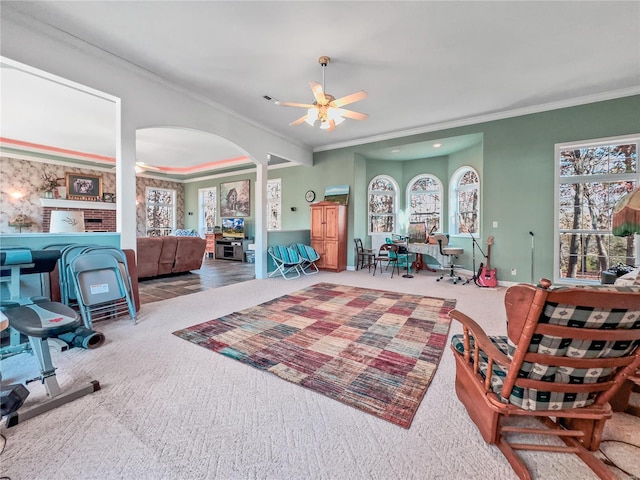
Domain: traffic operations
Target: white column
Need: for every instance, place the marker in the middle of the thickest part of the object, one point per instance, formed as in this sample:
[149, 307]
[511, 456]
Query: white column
[261, 220]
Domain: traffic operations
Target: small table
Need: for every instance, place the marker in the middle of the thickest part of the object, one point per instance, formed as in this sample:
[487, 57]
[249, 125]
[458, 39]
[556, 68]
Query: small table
[427, 249]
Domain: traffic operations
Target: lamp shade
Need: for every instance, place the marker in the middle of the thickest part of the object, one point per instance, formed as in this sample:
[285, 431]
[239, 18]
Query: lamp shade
[20, 220]
[66, 221]
[626, 215]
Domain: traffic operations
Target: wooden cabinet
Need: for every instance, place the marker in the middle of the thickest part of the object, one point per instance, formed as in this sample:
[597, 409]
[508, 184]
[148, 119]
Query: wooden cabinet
[329, 235]
[232, 249]
[210, 248]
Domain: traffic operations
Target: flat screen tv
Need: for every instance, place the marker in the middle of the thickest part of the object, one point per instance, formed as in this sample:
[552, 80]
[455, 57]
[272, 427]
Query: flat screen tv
[233, 227]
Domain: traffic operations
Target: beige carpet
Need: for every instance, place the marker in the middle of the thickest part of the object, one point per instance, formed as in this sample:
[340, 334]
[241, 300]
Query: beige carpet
[168, 410]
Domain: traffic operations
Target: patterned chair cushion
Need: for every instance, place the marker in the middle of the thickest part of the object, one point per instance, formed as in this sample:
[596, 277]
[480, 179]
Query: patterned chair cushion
[525, 398]
[568, 315]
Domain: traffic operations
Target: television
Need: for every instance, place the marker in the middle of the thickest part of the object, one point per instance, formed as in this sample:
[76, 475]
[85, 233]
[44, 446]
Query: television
[233, 227]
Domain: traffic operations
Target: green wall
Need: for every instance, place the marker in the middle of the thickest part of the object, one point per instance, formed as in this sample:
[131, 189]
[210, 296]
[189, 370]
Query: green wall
[515, 161]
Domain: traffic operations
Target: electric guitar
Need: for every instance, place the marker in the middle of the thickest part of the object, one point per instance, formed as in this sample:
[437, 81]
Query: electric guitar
[486, 275]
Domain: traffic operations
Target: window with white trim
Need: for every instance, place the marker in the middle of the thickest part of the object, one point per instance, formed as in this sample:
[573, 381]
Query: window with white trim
[424, 201]
[383, 204]
[591, 177]
[208, 209]
[161, 211]
[464, 215]
[274, 204]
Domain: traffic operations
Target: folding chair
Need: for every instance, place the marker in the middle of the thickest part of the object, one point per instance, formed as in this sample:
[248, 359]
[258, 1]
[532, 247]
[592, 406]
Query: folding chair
[101, 290]
[120, 256]
[309, 258]
[287, 260]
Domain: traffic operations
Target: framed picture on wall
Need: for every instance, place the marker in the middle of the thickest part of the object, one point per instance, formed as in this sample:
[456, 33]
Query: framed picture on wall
[235, 199]
[81, 186]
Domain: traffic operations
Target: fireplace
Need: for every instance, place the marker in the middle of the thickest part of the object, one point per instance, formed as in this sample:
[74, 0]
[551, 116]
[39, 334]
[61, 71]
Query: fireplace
[98, 216]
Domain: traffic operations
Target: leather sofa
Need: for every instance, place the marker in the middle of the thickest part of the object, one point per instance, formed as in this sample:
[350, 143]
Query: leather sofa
[167, 255]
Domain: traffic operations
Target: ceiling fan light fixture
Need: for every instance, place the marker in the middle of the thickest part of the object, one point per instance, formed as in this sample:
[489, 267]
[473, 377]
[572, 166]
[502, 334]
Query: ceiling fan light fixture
[312, 116]
[332, 114]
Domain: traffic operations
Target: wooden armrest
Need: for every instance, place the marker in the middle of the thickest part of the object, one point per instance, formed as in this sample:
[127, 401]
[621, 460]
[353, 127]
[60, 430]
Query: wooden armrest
[480, 338]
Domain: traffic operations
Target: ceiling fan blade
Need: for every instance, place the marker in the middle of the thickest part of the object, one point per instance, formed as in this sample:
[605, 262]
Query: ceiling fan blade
[316, 88]
[332, 126]
[351, 114]
[290, 104]
[298, 121]
[354, 97]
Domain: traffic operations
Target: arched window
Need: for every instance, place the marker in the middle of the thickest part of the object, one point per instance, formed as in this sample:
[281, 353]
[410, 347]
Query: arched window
[464, 211]
[424, 198]
[383, 193]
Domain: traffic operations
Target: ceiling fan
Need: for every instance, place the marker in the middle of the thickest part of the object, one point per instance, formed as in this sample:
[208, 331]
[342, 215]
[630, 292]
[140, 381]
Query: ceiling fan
[326, 109]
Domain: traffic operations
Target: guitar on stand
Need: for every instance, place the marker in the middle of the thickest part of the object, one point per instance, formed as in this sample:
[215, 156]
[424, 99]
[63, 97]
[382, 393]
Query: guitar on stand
[486, 275]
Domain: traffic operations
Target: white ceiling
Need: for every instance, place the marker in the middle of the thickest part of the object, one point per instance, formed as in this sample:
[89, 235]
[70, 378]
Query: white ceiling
[423, 64]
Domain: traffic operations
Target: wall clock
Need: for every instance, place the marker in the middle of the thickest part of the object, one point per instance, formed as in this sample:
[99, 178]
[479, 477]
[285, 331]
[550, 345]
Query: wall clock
[310, 196]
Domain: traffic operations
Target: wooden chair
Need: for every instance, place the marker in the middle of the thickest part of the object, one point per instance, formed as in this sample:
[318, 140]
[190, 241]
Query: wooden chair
[364, 256]
[566, 353]
[388, 253]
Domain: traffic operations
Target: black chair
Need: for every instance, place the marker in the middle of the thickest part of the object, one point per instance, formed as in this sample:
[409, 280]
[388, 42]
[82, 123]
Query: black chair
[39, 320]
[364, 256]
[388, 253]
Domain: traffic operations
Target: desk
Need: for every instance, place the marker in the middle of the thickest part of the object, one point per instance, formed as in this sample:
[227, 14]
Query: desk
[428, 249]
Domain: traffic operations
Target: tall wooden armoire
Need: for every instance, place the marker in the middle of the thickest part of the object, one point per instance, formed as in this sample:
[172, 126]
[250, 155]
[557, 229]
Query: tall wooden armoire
[329, 235]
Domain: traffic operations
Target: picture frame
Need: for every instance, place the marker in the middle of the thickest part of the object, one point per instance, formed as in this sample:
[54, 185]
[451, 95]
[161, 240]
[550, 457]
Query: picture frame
[81, 186]
[338, 194]
[235, 199]
[109, 197]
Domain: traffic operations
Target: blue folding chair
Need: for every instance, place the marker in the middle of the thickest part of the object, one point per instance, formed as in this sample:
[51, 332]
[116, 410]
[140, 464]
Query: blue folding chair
[101, 290]
[287, 261]
[309, 258]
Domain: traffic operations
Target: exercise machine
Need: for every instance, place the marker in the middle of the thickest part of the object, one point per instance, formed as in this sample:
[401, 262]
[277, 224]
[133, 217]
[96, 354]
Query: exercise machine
[40, 320]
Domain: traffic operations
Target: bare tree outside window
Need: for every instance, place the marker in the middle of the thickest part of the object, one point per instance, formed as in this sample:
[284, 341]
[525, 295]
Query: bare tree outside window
[161, 211]
[425, 201]
[467, 201]
[382, 205]
[592, 179]
[208, 202]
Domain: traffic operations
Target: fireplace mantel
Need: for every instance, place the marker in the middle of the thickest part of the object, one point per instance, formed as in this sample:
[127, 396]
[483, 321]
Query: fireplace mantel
[77, 204]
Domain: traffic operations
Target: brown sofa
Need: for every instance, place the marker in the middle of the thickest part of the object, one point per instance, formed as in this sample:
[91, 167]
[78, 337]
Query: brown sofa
[166, 255]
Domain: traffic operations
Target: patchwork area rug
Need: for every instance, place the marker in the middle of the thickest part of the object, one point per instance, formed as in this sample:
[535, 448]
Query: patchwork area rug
[371, 349]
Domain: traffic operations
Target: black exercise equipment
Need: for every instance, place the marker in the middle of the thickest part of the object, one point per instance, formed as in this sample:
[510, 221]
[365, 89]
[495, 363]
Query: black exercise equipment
[38, 319]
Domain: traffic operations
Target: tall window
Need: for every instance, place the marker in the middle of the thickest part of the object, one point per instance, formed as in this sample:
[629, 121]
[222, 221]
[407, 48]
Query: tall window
[424, 198]
[591, 177]
[274, 205]
[383, 193]
[161, 211]
[208, 209]
[465, 201]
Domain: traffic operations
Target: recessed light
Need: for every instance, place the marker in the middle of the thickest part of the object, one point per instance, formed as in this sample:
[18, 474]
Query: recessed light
[395, 150]
[437, 145]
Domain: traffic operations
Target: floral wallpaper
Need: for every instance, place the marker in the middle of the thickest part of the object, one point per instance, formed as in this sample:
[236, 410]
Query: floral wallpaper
[20, 182]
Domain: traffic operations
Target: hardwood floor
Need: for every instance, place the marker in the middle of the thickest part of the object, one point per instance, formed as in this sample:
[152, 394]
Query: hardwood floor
[214, 273]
